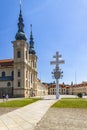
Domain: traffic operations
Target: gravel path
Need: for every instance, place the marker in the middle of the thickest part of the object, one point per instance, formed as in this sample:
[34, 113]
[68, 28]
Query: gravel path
[63, 119]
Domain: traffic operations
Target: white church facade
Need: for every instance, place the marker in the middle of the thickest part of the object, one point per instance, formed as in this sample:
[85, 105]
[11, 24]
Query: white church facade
[18, 76]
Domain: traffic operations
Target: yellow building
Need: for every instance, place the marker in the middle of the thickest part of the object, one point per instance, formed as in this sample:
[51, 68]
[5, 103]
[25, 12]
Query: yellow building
[80, 88]
[42, 89]
[68, 89]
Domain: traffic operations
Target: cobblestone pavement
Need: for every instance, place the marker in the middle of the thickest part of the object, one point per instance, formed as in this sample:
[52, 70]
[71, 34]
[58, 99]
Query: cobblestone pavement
[63, 119]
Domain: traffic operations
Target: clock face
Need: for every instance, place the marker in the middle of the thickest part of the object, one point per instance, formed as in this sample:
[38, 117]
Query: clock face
[18, 43]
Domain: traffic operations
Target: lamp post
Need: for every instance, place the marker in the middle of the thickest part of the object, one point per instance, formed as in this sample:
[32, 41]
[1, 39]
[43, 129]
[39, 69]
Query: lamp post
[57, 73]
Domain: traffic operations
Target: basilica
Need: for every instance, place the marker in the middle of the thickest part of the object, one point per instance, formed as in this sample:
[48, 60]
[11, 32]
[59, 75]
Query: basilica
[18, 76]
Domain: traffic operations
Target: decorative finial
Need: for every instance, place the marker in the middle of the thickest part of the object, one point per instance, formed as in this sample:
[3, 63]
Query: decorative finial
[20, 2]
[31, 28]
[31, 36]
[20, 5]
[31, 49]
[20, 35]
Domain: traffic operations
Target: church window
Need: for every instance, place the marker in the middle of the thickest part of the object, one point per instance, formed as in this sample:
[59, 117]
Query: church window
[8, 84]
[3, 74]
[18, 54]
[19, 74]
[12, 73]
[19, 84]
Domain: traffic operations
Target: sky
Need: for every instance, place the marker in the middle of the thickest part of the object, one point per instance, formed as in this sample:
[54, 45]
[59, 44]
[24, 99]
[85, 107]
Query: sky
[58, 26]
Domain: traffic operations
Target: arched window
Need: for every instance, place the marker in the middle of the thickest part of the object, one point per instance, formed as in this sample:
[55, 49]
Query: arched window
[8, 84]
[3, 74]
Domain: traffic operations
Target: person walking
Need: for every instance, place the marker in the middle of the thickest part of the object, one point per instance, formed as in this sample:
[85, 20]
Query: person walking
[3, 97]
[6, 97]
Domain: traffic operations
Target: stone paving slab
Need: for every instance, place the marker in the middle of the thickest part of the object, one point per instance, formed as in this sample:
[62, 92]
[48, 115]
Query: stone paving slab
[25, 118]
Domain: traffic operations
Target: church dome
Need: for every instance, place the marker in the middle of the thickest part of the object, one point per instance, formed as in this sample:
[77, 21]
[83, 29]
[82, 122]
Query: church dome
[20, 36]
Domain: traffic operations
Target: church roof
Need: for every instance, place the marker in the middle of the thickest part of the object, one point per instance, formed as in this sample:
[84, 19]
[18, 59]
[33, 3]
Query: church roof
[7, 63]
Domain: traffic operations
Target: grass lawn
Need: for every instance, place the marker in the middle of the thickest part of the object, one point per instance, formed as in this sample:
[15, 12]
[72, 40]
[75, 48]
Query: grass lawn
[19, 103]
[71, 103]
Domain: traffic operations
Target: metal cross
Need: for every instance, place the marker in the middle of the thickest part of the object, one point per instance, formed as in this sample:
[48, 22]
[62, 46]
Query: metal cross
[57, 72]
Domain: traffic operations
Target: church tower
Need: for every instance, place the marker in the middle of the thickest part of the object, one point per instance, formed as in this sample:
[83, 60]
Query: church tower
[25, 73]
[33, 62]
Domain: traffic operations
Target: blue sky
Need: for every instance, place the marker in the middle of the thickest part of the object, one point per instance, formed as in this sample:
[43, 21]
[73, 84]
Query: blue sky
[58, 25]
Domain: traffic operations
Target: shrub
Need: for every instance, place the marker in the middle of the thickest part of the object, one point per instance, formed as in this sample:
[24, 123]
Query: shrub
[79, 95]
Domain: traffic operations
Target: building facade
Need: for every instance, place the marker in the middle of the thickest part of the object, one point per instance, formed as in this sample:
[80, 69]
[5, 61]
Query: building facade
[68, 89]
[42, 89]
[18, 76]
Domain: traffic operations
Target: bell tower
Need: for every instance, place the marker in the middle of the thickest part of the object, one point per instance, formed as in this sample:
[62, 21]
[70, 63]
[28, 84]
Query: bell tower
[21, 48]
[33, 63]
